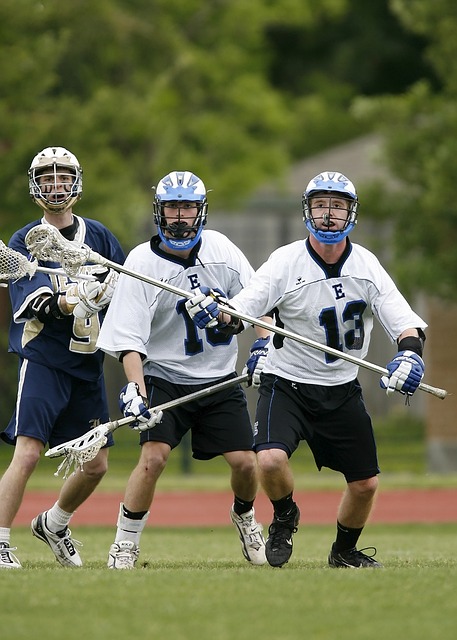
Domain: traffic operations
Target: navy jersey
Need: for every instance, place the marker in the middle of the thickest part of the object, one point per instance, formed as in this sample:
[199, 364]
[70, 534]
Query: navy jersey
[67, 344]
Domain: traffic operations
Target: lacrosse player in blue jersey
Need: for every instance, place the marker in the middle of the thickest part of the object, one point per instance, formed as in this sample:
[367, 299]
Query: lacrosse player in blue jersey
[165, 357]
[54, 330]
[326, 289]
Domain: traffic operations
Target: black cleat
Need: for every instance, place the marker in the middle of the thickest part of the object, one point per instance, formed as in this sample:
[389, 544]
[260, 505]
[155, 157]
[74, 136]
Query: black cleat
[278, 548]
[353, 559]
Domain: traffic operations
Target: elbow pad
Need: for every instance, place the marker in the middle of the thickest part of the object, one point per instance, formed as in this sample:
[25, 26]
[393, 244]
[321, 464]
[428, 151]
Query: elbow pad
[231, 328]
[46, 308]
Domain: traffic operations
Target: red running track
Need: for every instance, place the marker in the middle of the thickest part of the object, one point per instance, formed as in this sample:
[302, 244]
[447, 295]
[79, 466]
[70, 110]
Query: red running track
[202, 509]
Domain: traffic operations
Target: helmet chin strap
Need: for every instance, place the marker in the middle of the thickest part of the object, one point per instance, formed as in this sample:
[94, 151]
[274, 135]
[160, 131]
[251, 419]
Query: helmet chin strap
[180, 243]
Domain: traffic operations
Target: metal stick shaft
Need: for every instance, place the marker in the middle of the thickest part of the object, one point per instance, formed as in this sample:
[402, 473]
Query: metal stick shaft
[220, 386]
[90, 255]
[65, 448]
[436, 391]
[61, 272]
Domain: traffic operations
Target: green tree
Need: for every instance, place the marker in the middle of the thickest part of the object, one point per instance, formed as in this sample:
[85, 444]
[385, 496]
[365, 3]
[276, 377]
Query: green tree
[420, 128]
[360, 49]
[137, 88]
[233, 89]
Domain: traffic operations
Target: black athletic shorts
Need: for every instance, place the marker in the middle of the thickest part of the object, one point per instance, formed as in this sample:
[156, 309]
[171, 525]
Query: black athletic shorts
[333, 421]
[219, 422]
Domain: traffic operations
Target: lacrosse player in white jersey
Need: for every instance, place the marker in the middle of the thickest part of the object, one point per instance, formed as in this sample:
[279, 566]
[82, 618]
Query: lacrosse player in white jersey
[61, 391]
[328, 289]
[165, 357]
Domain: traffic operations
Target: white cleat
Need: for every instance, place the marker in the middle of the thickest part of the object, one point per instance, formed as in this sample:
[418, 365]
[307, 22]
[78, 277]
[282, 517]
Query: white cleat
[251, 537]
[7, 558]
[61, 543]
[123, 555]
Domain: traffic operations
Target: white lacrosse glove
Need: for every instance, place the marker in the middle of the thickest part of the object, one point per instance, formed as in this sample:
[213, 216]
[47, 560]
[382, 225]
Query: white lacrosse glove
[86, 298]
[109, 279]
[133, 404]
[406, 371]
[256, 362]
[203, 309]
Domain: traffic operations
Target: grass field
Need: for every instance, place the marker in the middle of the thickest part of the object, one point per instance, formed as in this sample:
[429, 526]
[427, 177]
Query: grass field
[195, 585]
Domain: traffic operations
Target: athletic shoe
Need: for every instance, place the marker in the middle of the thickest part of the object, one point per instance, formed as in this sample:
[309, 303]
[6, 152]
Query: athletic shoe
[62, 546]
[251, 537]
[123, 555]
[7, 558]
[353, 559]
[280, 533]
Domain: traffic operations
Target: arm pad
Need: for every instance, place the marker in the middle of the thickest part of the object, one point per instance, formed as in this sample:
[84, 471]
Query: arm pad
[411, 343]
[46, 308]
[230, 328]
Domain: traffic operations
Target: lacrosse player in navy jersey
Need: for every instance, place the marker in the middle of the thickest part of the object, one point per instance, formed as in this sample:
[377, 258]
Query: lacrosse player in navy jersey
[166, 357]
[327, 289]
[54, 330]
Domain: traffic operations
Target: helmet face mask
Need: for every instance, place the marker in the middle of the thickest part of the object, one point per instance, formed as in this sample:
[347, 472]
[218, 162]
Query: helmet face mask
[177, 195]
[325, 194]
[55, 180]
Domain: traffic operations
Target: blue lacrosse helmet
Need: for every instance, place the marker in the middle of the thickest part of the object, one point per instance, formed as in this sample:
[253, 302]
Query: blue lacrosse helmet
[329, 184]
[176, 189]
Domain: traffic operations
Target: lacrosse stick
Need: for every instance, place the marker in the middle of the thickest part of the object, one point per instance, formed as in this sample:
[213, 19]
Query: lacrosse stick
[85, 448]
[46, 243]
[14, 265]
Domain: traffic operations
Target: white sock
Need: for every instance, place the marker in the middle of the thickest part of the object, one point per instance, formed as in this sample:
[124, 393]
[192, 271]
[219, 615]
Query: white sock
[57, 519]
[5, 533]
[128, 529]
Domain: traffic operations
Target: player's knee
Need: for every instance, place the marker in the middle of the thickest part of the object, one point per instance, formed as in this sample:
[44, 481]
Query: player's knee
[364, 488]
[95, 469]
[154, 457]
[271, 461]
[28, 462]
[27, 454]
[243, 463]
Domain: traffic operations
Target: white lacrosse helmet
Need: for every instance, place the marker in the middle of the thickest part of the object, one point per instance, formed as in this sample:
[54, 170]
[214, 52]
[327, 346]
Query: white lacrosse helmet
[330, 183]
[178, 187]
[44, 187]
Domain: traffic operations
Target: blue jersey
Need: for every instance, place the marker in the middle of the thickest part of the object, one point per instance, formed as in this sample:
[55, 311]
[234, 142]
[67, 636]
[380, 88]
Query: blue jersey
[67, 344]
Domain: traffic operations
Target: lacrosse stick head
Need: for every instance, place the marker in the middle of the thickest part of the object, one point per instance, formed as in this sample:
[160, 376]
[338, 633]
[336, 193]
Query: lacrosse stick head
[14, 265]
[45, 242]
[79, 451]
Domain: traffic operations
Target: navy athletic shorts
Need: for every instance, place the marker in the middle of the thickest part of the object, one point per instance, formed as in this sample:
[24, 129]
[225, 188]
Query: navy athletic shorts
[53, 406]
[333, 421]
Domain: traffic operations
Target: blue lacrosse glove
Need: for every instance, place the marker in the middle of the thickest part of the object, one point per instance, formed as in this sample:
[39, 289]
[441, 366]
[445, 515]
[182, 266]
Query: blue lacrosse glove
[203, 309]
[133, 404]
[406, 371]
[256, 362]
